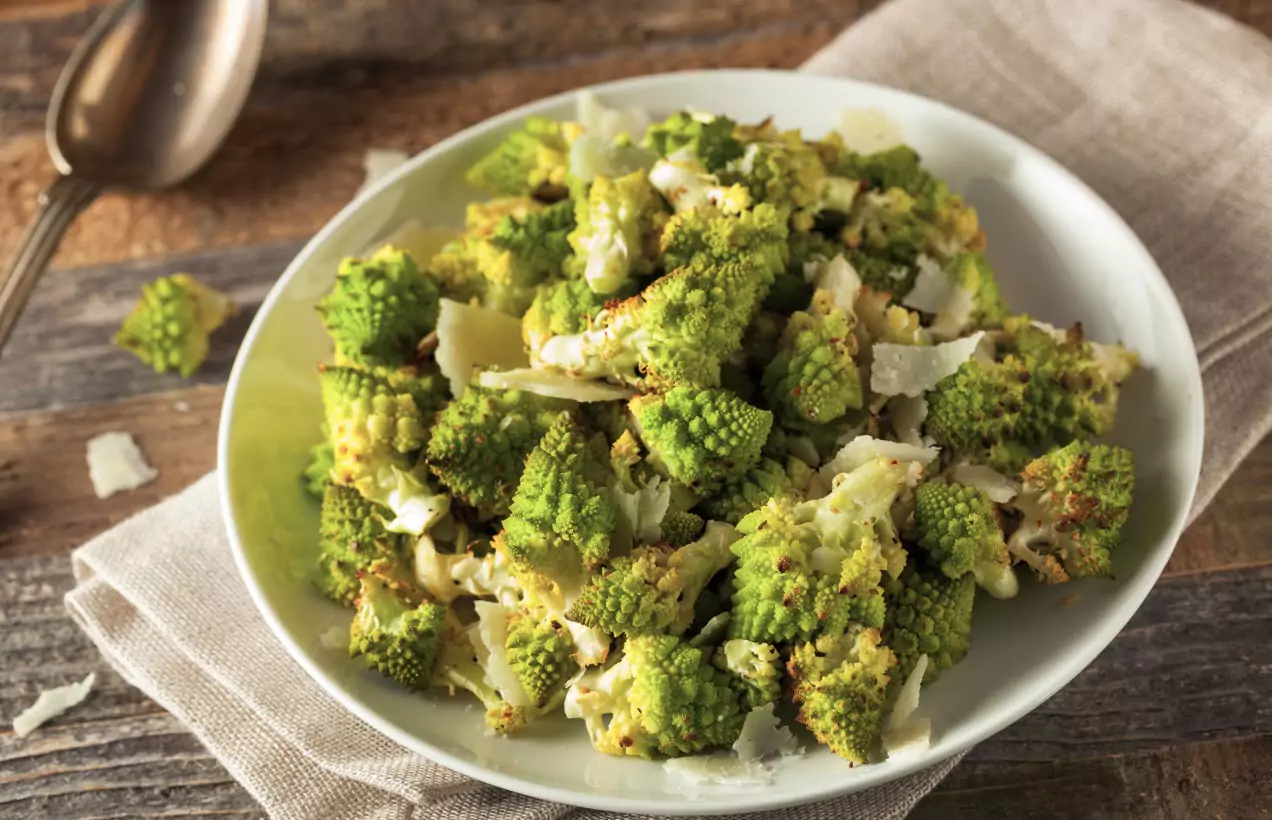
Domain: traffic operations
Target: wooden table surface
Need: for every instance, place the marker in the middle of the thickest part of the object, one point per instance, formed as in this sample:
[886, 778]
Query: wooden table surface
[1174, 720]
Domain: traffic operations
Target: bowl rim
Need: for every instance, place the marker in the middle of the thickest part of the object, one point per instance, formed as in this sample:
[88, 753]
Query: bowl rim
[1097, 640]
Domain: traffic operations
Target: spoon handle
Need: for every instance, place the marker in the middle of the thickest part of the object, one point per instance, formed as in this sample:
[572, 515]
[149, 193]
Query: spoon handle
[60, 203]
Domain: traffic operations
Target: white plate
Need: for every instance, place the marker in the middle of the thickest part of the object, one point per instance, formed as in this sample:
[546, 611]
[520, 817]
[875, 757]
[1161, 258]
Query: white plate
[1062, 255]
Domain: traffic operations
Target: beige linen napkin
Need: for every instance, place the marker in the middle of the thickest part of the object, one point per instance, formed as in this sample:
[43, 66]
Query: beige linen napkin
[1163, 107]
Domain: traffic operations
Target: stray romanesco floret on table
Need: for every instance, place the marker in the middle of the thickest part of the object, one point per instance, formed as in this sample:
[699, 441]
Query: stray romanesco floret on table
[398, 632]
[353, 538]
[562, 517]
[929, 614]
[813, 378]
[1073, 505]
[654, 589]
[701, 438]
[379, 309]
[479, 444]
[958, 527]
[1044, 389]
[662, 697]
[169, 326]
[529, 162]
[841, 685]
[814, 568]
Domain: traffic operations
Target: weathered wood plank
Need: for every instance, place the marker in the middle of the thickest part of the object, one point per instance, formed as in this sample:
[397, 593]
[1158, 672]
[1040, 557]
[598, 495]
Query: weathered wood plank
[1202, 780]
[60, 352]
[46, 500]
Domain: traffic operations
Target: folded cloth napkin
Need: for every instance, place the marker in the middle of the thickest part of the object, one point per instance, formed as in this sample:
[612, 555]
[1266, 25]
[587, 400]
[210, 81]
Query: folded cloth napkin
[1163, 107]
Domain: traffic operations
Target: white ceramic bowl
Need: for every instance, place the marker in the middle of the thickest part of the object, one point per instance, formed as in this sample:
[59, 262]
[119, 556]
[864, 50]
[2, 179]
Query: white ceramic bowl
[1062, 255]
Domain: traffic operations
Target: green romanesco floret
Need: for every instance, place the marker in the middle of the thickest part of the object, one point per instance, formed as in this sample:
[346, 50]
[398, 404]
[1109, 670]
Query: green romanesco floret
[779, 167]
[169, 326]
[681, 527]
[679, 330]
[539, 650]
[767, 480]
[971, 274]
[562, 517]
[373, 426]
[397, 631]
[928, 614]
[757, 668]
[1044, 389]
[708, 237]
[813, 378]
[662, 697]
[707, 137]
[814, 568]
[532, 161]
[841, 685]
[317, 473]
[1073, 505]
[701, 438]
[478, 446]
[958, 528]
[560, 309]
[615, 224]
[887, 237]
[653, 589]
[379, 309]
[455, 269]
[352, 538]
[520, 251]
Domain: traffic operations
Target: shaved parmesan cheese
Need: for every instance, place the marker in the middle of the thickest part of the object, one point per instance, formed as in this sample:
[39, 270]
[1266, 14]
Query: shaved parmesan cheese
[837, 276]
[556, 385]
[50, 704]
[337, 637]
[992, 483]
[903, 370]
[718, 770]
[378, 162]
[493, 629]
[115, 463]
[686, 185]
[864, 449]
[932, 287]
[907, 415]
[592, 157]
[608, 123]
[470, 336]
[763, 735]
[868, 130]
[713, 631]
[903, 733]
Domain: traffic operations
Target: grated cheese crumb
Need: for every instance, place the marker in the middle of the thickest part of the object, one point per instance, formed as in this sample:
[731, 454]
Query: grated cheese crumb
[50, 704]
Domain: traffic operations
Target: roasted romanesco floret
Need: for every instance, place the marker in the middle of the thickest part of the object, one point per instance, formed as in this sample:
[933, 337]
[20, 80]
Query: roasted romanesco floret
[398, 632]
[317, 473]
[662, 697]
[615, 226]
[524, 247]
[958, 527]
[757, 668]
[702, 438]
[539, 651]
[680, 527]
[373, 426]
[841, 685]
[815, 568]
[532, 161]
[562, 517]
[654, 589]
[813, 378]
[1045, 388]
[767, 480]
[1073, 505]
[707, 237]
[479, 444]
[929, 614]
[379, 309]
[169, 327]
[706, 137]
[353, 537]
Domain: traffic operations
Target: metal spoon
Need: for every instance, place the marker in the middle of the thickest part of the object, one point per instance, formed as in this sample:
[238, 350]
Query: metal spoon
[145, 100]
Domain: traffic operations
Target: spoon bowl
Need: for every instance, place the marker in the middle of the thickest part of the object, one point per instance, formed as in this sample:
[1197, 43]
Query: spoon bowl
[145, 100]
